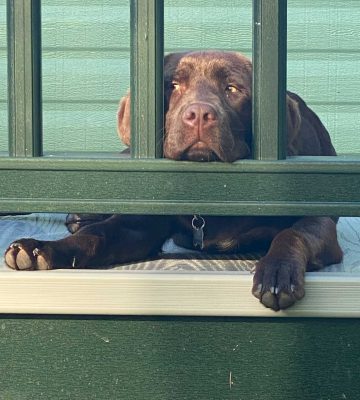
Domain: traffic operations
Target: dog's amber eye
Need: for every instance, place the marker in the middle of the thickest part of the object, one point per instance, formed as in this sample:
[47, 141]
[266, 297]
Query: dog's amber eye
[231, 89]
[175, 86]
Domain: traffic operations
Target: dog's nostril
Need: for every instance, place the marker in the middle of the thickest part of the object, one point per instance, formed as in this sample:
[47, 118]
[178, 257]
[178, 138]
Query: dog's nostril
[190, 115]
[209, 116]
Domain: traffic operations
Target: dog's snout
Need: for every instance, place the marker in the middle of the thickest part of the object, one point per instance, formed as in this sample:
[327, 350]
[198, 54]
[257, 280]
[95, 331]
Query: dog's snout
[199, 114]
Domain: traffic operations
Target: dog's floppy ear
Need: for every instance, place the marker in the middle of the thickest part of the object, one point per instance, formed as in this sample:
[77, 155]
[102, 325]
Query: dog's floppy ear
[123, 120]
[123, 114]
[293, 120]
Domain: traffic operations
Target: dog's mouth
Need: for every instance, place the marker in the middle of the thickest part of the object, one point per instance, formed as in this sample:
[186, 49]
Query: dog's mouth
[200, 152]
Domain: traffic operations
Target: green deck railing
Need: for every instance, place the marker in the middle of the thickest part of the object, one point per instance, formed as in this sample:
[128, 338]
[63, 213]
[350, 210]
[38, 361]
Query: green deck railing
[132, 357]
[270, 184]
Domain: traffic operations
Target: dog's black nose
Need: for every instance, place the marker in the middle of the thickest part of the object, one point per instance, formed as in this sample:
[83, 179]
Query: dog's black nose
[199, 115]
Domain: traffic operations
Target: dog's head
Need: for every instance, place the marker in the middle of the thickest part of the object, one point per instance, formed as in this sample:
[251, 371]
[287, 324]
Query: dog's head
[207, 107]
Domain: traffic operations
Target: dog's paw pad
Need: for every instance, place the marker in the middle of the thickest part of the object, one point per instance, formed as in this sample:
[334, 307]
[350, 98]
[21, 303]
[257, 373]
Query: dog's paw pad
[10, 255]
[269, 300]
[285, 300]
[41, 261]
[23, 260]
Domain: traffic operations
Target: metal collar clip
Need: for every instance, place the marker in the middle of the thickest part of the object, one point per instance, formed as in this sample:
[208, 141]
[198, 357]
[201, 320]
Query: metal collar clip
[198, 224]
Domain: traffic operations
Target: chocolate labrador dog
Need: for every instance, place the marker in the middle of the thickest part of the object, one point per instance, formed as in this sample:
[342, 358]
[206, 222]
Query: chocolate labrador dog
[208, 118]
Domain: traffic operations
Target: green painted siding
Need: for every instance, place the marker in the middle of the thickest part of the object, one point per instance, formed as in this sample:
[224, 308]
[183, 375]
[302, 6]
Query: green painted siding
[86, 62]
[179, 359]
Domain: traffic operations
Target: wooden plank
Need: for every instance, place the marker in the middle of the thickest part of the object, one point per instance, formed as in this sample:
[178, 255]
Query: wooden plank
[341, 121]
[323, 24]
[269, 85]
[80, 127]
[24, 77]
[104, 78]
[325, 77]
[147, 93]
[185, 358]
[248, 188]
[95, 25]
[144, 292]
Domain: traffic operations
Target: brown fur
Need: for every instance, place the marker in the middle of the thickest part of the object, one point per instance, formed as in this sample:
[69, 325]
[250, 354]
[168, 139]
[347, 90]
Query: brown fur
[208, 118]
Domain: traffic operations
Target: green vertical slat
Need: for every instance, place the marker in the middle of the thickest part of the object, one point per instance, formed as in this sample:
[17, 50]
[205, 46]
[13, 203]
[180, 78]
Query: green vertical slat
[147, 52]
[269, 99]
[24, 77]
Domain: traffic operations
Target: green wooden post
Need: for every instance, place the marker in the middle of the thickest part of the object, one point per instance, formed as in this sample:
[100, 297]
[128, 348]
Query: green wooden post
[269, 87]
[147, 77]
[24, 77]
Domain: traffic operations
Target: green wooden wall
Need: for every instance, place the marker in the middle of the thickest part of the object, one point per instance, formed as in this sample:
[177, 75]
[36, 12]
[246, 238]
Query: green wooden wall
[86, 62]
[134, 358]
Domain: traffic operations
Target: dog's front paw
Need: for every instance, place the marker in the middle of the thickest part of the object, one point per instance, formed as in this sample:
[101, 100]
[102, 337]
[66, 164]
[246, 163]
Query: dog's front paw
[28, 254]
[278, 284]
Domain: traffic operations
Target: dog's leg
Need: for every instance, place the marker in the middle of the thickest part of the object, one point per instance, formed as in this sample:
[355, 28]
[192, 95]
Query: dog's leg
[118, 239]
[310, 244]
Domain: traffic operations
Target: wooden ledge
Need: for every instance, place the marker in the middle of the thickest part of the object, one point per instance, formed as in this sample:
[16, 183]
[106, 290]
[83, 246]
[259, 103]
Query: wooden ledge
[114, 292]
